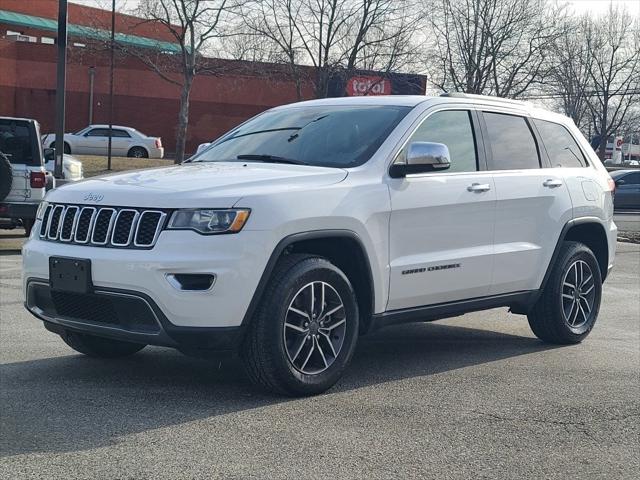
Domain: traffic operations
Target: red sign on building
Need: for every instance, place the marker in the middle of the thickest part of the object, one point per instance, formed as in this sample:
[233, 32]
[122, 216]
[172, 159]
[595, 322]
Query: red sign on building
[359, 86]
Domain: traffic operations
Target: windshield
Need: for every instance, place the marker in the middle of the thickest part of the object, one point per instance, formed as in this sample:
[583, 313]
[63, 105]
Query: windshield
[330, 136]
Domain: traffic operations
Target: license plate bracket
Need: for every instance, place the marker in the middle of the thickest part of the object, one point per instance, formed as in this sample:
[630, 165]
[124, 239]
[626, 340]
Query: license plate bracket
[70, 274]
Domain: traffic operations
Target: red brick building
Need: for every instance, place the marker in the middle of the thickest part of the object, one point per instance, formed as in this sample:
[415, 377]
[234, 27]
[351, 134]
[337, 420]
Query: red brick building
[142, 99]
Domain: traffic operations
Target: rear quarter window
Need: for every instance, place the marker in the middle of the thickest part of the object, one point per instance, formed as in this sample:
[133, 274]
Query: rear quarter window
[561, 147]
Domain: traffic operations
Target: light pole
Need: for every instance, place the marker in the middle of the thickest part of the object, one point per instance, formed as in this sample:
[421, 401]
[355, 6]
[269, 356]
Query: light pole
[92, 74]
[113, 31]
[61, 79]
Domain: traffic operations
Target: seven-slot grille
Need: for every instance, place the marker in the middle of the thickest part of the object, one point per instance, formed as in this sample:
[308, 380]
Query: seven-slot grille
[105, 226]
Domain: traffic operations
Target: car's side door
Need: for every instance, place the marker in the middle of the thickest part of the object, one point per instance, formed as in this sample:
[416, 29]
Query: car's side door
[121, 142]
[93, 142]
[533, 202]
[441, 226]
[627, 193]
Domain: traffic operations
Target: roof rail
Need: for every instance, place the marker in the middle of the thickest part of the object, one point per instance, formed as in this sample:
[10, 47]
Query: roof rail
[486, 97]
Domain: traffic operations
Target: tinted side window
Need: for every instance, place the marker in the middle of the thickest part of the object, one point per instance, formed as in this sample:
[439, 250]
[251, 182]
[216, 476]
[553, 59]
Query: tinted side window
[98, 132]
[562, 148]
[121, 133]
[632, 178]
[512, 142]
[454, 129]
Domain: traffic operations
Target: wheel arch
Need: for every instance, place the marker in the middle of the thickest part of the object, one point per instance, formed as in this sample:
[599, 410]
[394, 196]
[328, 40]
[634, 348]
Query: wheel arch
[591, 232]
[139, 146]
[343, 248]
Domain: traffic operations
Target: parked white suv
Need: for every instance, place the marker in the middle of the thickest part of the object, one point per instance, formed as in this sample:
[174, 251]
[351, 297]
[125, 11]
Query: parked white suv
[314, 223]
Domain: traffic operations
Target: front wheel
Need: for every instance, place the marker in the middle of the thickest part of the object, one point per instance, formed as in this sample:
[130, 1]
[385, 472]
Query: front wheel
[98, 346]
[305, 330]
[568, 307]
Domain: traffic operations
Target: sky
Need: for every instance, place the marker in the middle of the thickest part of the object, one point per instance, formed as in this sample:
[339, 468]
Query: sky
[595, 7]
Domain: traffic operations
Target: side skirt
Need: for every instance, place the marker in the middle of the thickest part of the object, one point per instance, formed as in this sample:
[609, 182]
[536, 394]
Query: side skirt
[519, 302]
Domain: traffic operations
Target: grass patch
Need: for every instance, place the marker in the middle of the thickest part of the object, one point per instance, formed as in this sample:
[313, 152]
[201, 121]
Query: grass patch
[97, 165]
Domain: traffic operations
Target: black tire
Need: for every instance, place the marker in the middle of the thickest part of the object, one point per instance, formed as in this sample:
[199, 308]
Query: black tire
[98, 346]
[66, 148]
[138, 152]
[551, 317]
[265, 350]
[27, 223]
[6, 176]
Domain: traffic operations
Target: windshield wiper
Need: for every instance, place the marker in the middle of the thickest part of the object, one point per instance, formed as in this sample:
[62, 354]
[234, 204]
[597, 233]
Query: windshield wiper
[271, 159]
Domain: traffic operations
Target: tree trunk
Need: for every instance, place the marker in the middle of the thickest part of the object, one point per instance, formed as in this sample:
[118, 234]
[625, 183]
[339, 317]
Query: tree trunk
[602, 147]
[183, 119]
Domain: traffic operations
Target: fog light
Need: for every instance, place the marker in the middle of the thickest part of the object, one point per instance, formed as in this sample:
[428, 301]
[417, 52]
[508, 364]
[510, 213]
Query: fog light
[194, 282]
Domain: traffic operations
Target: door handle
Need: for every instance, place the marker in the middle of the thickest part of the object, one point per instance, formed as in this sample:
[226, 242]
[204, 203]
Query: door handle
[552, 183]
[479, 187]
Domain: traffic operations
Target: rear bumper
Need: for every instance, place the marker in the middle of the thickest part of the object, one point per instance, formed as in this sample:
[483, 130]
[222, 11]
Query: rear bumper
[155, 152]
[123, 315]
[18, 210]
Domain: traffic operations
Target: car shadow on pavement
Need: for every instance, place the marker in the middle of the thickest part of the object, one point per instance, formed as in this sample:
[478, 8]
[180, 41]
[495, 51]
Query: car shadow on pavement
[74, 403]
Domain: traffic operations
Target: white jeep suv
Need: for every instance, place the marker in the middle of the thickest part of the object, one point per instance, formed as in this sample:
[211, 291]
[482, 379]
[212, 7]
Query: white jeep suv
[314, 223]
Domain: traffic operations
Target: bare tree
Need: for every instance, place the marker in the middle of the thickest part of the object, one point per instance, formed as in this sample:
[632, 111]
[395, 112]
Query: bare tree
[334, 36]
[195, 25]
[494, 47]
[613, 45]
[569, 72]
[272, 23]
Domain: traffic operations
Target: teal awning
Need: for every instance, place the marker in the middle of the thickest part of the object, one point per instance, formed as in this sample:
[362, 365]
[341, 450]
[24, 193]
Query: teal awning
[80, 31]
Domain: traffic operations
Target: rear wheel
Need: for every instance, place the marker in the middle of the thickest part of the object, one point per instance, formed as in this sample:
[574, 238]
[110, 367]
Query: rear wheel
[568, 307]
[99, 347]
[137, 152]
[305, 330]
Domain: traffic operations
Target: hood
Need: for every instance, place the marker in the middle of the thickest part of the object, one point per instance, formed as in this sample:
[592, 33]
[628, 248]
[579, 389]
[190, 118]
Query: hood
[212, 184]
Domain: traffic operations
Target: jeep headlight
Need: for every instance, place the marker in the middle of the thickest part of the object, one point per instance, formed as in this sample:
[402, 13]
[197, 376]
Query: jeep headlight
[207, 221]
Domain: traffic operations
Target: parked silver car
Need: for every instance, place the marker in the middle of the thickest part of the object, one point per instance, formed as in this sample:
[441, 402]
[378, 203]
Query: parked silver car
[94, 140]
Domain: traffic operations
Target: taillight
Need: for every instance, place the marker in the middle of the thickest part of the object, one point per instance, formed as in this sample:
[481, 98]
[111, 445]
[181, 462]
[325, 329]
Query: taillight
[38, 180]
[158, 142]
[612, 185]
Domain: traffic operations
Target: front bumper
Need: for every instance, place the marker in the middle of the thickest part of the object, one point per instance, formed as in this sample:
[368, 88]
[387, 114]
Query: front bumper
[122, 315]
[237, 261]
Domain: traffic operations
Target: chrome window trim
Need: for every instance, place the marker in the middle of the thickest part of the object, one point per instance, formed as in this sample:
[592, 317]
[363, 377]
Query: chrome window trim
[89, 228]
[132, 229]
[109, 227]
[156, 233]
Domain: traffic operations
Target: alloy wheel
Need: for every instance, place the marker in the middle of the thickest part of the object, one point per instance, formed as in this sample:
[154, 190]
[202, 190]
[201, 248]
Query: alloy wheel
[314, 328]
[578, 294]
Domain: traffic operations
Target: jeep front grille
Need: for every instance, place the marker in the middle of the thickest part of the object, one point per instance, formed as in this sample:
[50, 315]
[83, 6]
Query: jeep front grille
[118, 227]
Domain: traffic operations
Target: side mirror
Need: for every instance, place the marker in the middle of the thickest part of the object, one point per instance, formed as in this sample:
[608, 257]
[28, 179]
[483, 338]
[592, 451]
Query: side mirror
[422, 157]
[619, 182]
[49, 154]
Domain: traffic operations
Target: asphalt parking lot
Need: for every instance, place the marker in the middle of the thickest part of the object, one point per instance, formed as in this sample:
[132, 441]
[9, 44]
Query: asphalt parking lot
[471, 397]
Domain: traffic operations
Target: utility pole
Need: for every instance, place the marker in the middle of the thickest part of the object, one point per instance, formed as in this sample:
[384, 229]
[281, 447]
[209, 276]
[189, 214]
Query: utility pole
[61, 80]
[113, 33]
[92, 74]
